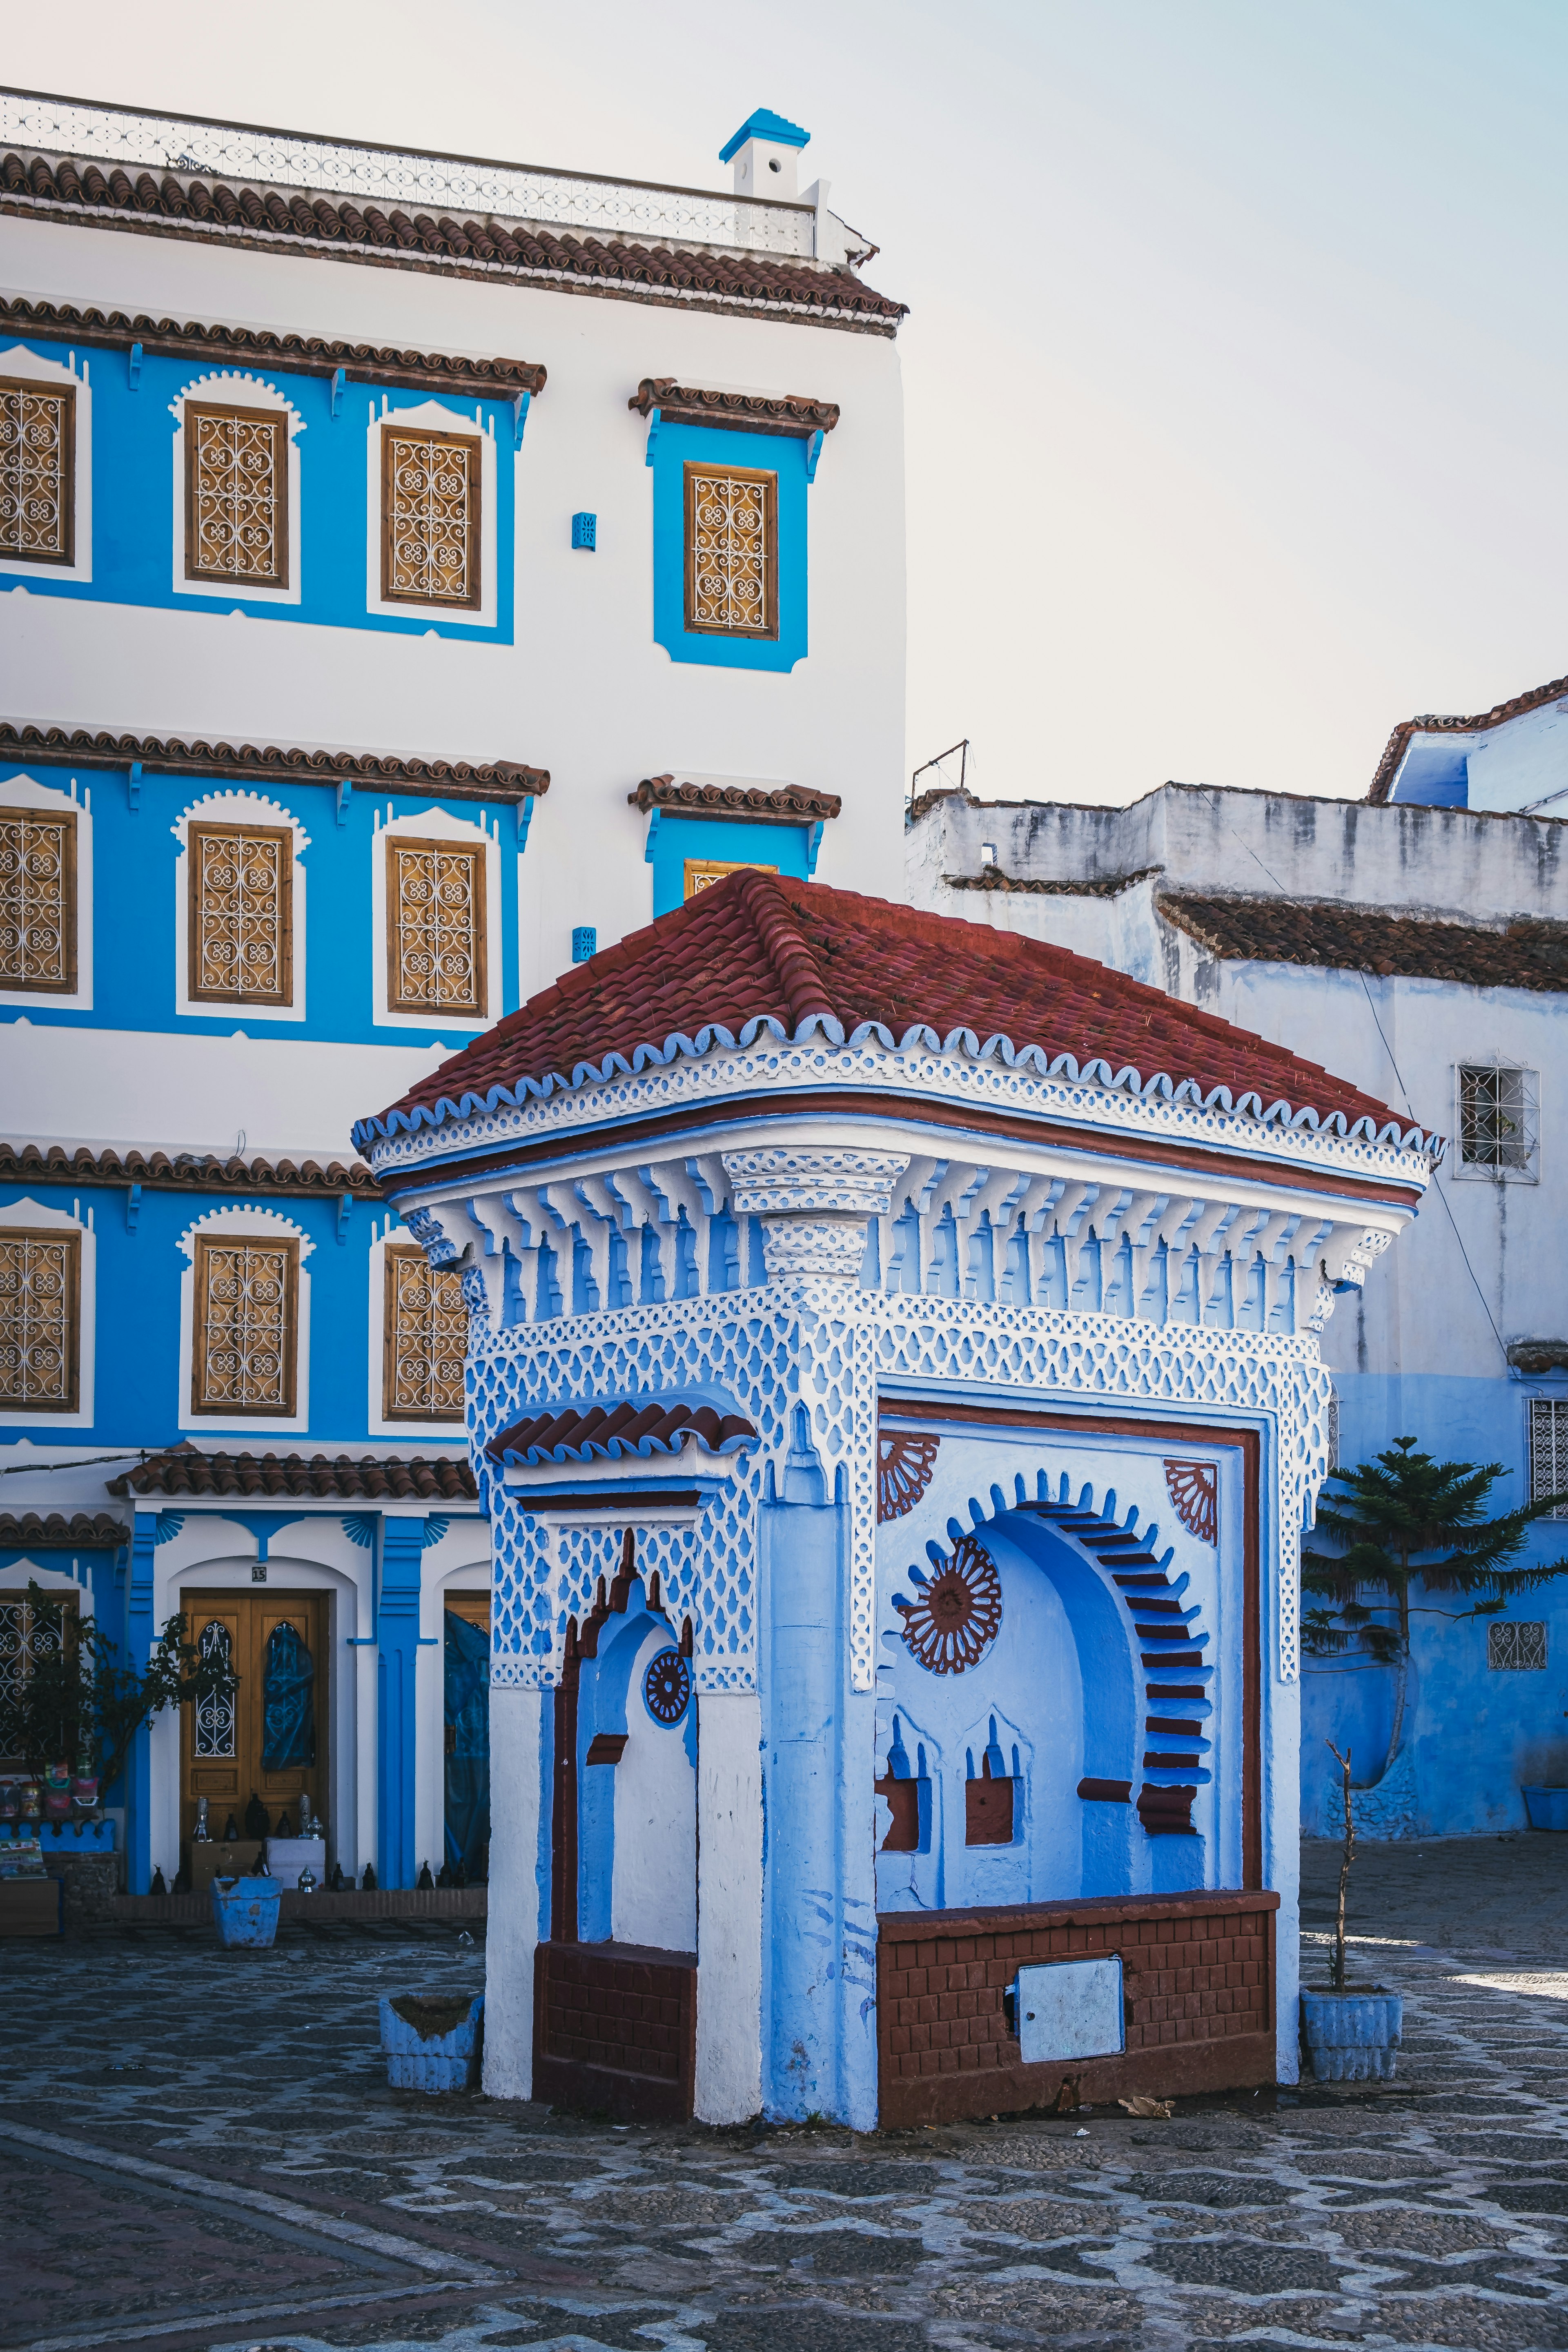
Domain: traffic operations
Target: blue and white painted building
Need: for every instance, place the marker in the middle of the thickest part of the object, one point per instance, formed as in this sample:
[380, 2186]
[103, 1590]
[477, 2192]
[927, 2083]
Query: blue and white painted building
[1418, 945]
[897, 1503]
[414, 573]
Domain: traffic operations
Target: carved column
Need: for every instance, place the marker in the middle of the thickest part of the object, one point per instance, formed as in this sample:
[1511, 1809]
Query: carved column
[815, 1203]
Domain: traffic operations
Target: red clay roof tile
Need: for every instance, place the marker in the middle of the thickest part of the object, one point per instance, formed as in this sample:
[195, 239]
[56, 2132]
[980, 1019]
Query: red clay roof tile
[763, 948]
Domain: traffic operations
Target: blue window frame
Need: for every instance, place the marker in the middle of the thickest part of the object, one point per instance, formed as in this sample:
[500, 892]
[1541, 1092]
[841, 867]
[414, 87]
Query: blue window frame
[673, 843]
[671, 450]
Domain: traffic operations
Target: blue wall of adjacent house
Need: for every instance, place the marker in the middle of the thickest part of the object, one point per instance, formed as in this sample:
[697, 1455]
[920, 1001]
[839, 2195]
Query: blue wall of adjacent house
[138, 863]
[138, 1398]
[1475, 1734]
[133, 508]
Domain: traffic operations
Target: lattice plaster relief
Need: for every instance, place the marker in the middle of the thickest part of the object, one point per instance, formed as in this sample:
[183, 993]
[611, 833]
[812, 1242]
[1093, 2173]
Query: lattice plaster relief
[237, 496]
[245, 1330]
[38, 1293]
[241, 887]
[832, 1350]
[430, 516]
[37, 430]
[732, 551]
[436, 922]
[426, 1338]
[37, 898]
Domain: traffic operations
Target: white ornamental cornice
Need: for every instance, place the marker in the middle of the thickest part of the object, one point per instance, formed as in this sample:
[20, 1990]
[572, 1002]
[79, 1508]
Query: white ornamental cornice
[582, 1119]
[787, 1179]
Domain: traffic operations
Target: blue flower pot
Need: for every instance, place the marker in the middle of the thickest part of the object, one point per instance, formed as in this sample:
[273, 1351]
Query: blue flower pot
[420, 2059]
[1353, 2036]
[245, 1911]
[1547, 1808]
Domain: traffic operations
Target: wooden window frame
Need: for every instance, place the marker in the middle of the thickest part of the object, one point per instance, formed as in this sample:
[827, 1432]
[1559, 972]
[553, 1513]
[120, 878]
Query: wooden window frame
[227, 1409]
[71, 1403]
[66, 816]
[200, 996]
[396, 1002]
[392, 1253]
[702, 872]
[469, 443]
[66, 392]
[768, 477]
[240, 582]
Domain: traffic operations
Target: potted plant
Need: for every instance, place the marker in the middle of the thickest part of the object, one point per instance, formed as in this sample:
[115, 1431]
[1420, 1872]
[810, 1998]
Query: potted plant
[1351, 2030]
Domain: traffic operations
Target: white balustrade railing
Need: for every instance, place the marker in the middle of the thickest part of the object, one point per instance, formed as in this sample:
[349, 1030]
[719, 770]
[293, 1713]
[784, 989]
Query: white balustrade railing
[633, 209]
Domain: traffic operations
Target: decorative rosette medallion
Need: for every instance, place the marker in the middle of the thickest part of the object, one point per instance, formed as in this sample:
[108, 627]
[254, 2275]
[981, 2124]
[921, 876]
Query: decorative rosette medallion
[959, 1613]
[667, 1687]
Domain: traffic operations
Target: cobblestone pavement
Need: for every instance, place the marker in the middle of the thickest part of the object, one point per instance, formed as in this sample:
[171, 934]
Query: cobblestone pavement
[199, 2150]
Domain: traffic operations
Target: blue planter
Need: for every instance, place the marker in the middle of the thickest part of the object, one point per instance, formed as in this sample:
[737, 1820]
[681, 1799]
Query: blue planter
[1547, 1808]
[1353, 2036]
[418, 2059]
[245, 1911]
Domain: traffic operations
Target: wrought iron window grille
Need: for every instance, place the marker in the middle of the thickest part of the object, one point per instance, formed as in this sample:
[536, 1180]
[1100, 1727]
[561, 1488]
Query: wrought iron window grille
[1512, 1648]
[1498, 1123]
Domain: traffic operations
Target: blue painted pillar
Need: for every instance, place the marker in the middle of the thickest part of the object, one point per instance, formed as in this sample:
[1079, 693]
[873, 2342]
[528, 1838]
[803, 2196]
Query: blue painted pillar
[397, 1657]
[139, 1632]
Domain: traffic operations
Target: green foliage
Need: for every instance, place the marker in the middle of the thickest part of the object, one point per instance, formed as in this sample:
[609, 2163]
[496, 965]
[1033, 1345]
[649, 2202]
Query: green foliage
[78, 1701]
[1402, 1520]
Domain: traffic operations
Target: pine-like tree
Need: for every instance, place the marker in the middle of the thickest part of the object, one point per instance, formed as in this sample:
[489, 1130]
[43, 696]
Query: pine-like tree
[1405, 1520]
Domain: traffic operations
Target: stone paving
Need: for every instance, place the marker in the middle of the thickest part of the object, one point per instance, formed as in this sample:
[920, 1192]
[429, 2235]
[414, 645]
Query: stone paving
[199, 2150]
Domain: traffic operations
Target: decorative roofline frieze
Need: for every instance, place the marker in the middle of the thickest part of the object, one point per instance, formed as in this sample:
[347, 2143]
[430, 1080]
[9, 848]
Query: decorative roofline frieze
[743, 803]
[737, 412]
[500, 781]
[300, 354]
[787, 1179]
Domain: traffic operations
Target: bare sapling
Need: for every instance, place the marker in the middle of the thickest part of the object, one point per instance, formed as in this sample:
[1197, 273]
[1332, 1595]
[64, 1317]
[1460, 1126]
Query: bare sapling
[1346, 1858]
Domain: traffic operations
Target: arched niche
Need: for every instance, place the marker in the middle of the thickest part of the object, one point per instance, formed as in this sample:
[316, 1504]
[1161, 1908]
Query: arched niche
[636, 1776]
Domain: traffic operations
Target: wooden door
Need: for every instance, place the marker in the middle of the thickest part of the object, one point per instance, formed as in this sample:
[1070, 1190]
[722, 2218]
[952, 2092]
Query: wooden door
[223, 1743]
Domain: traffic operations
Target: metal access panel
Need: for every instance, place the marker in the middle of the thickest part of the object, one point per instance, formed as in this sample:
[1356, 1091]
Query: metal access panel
[1070, 2009]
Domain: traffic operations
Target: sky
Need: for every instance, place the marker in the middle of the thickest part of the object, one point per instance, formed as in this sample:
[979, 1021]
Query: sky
[1235, 368]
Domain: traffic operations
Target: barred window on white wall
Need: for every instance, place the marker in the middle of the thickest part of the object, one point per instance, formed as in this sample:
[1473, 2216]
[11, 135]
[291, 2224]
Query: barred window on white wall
[436, 927]
[37, 467]
[1499, 1123]
[430, 516]
[732, 551]
[1516, 1648]
[1549, 1451]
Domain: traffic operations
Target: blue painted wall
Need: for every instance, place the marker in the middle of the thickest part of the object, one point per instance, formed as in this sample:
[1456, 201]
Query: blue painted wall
[129, 450]
[670, 448]
[136, 858]
[1475, 1734]
[786, 847]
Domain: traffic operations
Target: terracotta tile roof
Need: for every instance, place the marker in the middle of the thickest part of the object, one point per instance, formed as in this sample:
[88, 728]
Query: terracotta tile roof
[182, 204]
[1326, 933]
[1393, 751]
[589, 1431]
[186, 1470]
[494, 379]
[763, 952]
[784, 804]
[187, 1172]
[367, 772]
[744, 411]
[1105, 885]
[25, 1531]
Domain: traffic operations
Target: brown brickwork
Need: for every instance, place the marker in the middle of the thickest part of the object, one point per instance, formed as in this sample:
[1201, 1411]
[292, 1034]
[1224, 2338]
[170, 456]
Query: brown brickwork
[614, 2026]
[1198, 1981]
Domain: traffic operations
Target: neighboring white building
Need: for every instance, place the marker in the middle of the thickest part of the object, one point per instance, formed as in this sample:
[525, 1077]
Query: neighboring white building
[1420, 952]
[415, 573]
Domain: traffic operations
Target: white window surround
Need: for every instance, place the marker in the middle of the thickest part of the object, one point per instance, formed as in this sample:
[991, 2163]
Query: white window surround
[434, 825]
[268, 1224]
[26, 791]
[436, 417]
[73, 372]
[23, 1573]
[424, 1432]
[1528, 1171]
[46, 1220]
[230, 388]
[237, 808]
